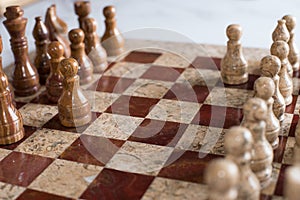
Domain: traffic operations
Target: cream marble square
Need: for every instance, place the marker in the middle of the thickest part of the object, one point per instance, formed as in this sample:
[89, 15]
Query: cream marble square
[47, 143]
[127, 70]
[37, 114]
[4, 153]
[8, 191]
[175, 111]
[140, 158]
[229, 97]
[288, 151]
[100, 101]
[162, 188]
[286, 124]
[66, 178]
[172, 60]
[113, 126]
[148, 88]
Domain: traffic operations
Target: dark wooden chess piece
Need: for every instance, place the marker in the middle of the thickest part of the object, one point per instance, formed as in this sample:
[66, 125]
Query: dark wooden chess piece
[73, 108]
[93, 47]
[11, 124]
[112, 40]
[42, 58]
[57, 29]
[82, 10]
[54, 83]
[85, 71]
[25, 77]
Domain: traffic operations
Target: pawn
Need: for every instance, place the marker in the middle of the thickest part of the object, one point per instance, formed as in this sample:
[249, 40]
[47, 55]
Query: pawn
[112, 40]
[54, 83]
[270, 67]
[281, 50]
[233, 65]
[264, 88]
[281, 32]
[42, 58]
[294, 52]
[292, 183]
[85, 71]
[93, 47]
[222, 178]
[73, 108]
[238, 145]
[255, 114]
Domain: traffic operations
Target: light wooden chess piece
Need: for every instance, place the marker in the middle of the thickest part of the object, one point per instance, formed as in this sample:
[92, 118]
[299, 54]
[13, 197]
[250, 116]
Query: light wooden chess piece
[294, 52]
[292, 183]
[112, 40]
[255, 113]
[238, 146]
[233, 65]
[264, 88]
[222, 178]
[54, 83]
[25, 76]
[73, 108]
[85, 71]
[281, 50]
[93, 47]
[11, 122]
[270, 67]
[42, 58]
[57, 29]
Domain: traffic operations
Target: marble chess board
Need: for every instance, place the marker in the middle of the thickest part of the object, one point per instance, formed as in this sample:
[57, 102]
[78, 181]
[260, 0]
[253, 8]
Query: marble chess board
[159, 116]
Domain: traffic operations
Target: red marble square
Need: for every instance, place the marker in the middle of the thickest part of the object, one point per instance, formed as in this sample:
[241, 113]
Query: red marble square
[218, 116]
[186, 166]
[158, 132]
[280, 182]
[247, 86]
[111, 84]
[132, 106]
[21, 169]
[202, 62]
[184, 92]
[293, 125]
[291, 108]
[110, 65]
[279, 152]
[54, 123]
[29, 194]
[156, 72]
[42, 99]
[113, 184]
[92, 150]
[141, 57]
[28, 132]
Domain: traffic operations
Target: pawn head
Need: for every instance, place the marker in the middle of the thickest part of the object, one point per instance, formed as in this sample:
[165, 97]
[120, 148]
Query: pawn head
[290, 22]
[234, 32]
[264, 88]
[270, 66]
[69, 67]
[280, 49]
[55, 49]
[238, 140]
[255, 109]
[109, 12]
[76, 36]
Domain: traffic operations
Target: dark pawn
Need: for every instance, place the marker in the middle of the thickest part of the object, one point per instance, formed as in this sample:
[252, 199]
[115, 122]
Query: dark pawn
[57, 29]
[93, 47]
[82, 10]
[11, 124]
[85, 72]
[54, 83]
[73, 108]
[112, 40]
[42, 58]
[25, 76]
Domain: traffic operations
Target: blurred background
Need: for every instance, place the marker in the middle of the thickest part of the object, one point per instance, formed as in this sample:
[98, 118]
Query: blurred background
[198, 20]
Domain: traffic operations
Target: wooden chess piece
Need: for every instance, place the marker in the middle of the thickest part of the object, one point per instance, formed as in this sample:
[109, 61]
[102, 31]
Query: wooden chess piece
[11, 122]
[85, 71]
[73, 108]
[54, 83]
[112, 40]
[264, 88]
[82, 10]
[292, 183]
[281, 50]
[270, 67]
[93, 47]
[57, 29]
[238, 145]
[294, 52]
[42, 58]
[222, 178]
[233, 65]
[255, 113]
[25, 76]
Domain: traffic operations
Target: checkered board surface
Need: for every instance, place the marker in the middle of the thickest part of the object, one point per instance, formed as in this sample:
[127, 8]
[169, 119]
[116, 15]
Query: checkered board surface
[157, 122]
